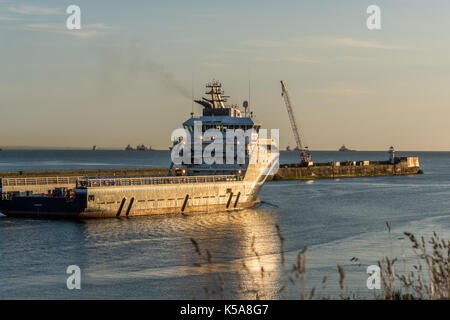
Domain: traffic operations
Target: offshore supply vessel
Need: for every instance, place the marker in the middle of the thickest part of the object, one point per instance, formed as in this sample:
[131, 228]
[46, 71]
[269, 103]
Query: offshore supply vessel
[188, 187]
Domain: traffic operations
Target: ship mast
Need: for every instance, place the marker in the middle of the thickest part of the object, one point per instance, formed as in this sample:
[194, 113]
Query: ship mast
[217, 98]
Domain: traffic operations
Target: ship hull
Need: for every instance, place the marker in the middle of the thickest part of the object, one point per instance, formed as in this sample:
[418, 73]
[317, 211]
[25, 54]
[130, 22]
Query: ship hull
[40, 207]
[109, 202]
[78, 214]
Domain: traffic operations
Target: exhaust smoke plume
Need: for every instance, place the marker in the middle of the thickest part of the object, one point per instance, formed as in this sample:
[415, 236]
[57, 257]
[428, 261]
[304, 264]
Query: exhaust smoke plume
[123, 69]
[155, 70]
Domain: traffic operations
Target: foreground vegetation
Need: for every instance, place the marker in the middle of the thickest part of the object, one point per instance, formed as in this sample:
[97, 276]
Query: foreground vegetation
[429, 278]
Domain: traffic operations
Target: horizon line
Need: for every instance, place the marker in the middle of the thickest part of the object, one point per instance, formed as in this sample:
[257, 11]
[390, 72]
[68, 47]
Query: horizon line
[43, 148]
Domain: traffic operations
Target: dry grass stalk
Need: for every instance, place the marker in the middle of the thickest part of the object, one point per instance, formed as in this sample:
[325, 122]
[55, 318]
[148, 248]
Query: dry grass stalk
[341, 279]
[431, 282]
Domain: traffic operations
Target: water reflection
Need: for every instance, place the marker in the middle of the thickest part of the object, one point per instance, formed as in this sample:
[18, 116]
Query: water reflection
[159, 248]
[153, 258]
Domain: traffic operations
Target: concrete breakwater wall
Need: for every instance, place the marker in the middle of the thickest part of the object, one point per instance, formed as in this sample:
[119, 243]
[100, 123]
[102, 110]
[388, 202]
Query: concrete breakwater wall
[347, 171]
[285, 172]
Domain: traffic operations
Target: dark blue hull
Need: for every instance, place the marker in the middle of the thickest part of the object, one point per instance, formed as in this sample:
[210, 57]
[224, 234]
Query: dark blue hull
[41, 207]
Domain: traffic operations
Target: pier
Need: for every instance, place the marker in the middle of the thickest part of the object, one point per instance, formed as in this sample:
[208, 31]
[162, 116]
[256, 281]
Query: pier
[349, 169]
[42, 181]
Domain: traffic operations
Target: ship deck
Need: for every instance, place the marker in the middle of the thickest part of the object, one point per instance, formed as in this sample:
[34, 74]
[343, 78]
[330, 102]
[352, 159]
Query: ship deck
[43, 184]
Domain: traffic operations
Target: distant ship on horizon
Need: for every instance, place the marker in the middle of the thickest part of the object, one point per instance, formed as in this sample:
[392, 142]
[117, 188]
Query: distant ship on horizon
[141, 147]
[345, 149]
[288, 148]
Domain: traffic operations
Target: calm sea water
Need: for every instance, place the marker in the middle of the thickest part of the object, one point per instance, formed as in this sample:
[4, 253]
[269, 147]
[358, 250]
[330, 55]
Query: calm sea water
[153, 257]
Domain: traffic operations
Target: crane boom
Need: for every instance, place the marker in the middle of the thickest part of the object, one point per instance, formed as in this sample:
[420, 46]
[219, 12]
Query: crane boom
[305, 158]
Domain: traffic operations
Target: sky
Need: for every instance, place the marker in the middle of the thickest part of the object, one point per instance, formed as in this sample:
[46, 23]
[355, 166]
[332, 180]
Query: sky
[128, 75]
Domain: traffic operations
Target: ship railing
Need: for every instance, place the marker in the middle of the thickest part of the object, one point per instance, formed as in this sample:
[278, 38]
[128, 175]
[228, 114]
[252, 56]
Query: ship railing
[140, 181]
[35, 181]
